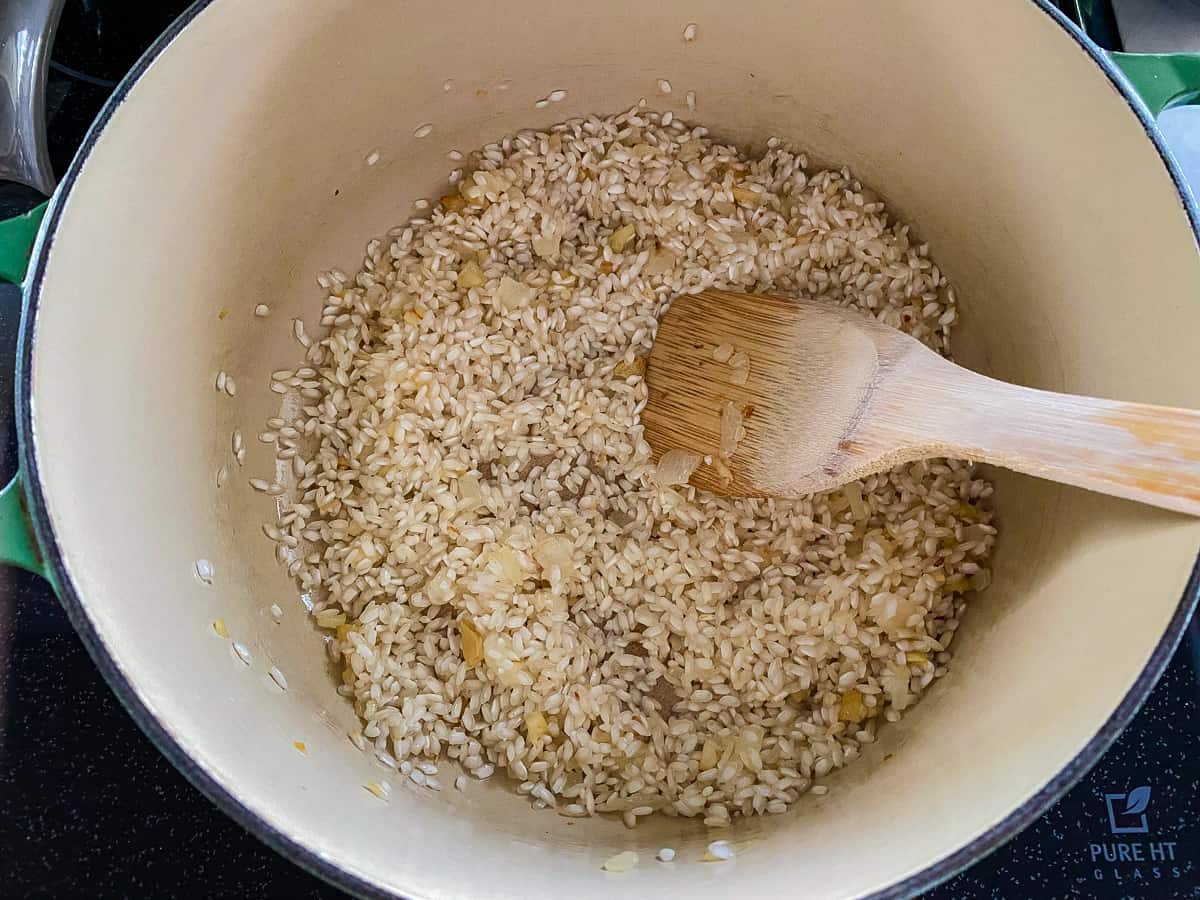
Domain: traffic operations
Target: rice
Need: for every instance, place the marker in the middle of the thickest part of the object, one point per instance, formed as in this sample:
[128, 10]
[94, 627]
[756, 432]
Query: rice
[479, 524]
[278, 677]
[242, 652]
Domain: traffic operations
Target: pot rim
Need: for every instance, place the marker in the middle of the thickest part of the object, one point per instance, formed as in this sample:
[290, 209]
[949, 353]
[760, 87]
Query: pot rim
[226, 800]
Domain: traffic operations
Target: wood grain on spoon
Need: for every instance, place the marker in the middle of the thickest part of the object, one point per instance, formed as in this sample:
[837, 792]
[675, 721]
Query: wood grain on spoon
[830, 395]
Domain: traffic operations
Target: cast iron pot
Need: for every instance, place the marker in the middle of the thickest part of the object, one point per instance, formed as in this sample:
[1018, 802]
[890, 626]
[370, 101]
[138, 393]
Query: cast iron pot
[232, 165]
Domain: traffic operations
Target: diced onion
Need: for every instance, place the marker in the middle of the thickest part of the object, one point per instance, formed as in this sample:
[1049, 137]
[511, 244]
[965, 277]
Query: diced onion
[558, 552]
[676, 467]
[660, 262]
[858, 507]
[895, 682]
[710, 754]
[981, 579]
[852, 708]
[731, 424]
[637, 367]
[747, 196]
[546, 246]
[472, 641]
[506, 564]
[470, 275]
[976, 533]
[621, 237]
[513, 295]
[622, 862]
[535, 726]
[469, 491]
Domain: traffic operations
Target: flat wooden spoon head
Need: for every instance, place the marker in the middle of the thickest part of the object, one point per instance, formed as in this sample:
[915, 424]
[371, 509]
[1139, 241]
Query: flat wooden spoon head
[784, 398]
[770, 389]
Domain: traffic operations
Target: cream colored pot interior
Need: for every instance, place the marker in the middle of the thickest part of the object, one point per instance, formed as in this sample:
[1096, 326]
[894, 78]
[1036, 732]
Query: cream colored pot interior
[236, 169]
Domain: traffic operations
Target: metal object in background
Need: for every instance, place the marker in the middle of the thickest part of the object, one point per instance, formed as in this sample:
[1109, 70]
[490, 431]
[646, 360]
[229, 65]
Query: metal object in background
[1164, 26]
[27, 29]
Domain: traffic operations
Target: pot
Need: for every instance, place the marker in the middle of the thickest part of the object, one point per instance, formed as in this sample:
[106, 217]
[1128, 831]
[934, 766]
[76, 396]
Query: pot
[233, 164]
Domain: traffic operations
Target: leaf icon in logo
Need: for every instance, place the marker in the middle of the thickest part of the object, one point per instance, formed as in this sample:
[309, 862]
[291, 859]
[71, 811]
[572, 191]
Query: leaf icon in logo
[1137, 800]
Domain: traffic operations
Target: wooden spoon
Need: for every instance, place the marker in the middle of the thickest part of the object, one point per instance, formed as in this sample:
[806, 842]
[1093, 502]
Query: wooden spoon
[814, 396]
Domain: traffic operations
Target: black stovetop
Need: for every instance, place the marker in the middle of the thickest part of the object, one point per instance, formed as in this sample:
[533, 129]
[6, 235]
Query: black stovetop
[88, 807]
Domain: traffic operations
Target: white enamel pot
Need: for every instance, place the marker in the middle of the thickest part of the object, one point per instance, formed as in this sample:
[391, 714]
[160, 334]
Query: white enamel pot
[231, 167]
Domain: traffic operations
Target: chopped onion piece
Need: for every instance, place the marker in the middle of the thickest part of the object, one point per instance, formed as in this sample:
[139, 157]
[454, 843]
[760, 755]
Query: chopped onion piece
[472, 641]
[858, 507]
[747, 196]
[676, 467]
[558, 552]
[622, 862]
[637, 367]
[895, 683]
[470, 275]
[469, 489]
[546, 246]
[621, 237]
[731, 433]
[506, 564]
[718, 851]
[976, 533]
[535, 726]
[660, 262]
[513, 295]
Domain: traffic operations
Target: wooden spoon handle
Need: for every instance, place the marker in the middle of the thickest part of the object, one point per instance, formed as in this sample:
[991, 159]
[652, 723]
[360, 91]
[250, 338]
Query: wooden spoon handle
[1146, 453]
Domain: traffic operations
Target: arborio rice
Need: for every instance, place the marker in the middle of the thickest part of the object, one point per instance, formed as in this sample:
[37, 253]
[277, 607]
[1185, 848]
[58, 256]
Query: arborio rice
[475, 512]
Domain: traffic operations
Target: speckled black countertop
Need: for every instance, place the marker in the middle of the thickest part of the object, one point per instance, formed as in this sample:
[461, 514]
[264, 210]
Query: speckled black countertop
[88, 807]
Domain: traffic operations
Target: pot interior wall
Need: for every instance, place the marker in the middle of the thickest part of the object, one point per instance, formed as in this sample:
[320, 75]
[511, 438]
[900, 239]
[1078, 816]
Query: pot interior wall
[237, 169]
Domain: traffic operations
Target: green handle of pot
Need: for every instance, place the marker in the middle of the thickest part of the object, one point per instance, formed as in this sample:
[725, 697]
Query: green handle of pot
[16, 243]
[1162, 80]
[17, 544]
